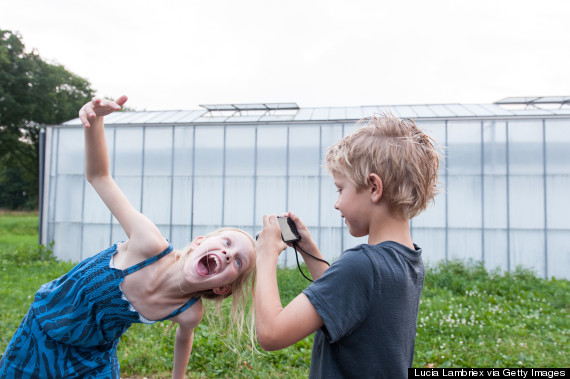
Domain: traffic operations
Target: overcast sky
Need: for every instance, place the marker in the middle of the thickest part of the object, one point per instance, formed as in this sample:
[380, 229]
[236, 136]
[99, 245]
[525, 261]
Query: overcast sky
[169, 54]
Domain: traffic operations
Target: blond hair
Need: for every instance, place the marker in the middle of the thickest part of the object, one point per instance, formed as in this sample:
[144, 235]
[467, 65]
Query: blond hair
[241, 310]
[404, 157]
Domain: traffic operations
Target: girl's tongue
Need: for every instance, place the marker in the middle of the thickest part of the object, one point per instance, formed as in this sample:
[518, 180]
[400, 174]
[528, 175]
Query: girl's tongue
[208, 265]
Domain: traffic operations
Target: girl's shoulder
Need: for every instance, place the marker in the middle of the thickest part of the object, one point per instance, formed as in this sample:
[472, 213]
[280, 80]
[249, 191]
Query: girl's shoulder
[136, 250]
[192, 316]
[148, 244]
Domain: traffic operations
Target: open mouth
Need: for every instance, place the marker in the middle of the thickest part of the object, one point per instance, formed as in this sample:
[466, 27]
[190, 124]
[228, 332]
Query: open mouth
[209, 265]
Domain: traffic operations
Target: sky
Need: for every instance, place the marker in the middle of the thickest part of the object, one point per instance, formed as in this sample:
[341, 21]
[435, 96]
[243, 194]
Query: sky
[179, 54]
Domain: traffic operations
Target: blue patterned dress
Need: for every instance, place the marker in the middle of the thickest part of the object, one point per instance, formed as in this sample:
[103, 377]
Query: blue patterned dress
[73, 326]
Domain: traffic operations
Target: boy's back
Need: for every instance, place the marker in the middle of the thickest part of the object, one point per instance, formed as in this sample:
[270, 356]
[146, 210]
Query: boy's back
[369, 302]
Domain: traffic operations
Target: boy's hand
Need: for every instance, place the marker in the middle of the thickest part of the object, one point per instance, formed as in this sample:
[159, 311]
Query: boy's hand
[306, 243]
[98, 107]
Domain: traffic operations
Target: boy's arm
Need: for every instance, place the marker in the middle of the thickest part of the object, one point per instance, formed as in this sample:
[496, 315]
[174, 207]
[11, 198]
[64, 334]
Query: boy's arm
[278, 327]
[140, 230]
[316, 267]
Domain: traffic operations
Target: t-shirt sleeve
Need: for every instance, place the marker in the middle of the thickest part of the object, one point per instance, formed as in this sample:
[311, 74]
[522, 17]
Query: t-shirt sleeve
[342, 296]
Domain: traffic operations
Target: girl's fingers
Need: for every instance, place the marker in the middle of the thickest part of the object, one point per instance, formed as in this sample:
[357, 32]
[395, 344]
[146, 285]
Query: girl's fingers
[100, 107]
[121, 100]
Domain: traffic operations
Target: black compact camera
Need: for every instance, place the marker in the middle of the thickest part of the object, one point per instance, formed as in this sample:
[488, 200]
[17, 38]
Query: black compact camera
[289, 231]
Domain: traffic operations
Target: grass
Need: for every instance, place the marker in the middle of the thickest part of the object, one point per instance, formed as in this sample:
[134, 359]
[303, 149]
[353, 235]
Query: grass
[469, 317]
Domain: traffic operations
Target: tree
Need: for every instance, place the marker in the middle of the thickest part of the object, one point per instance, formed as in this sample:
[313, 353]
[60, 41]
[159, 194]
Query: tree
[33, 94]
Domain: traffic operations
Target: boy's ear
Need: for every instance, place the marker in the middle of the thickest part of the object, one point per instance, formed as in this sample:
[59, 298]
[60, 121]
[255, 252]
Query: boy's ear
[376, 188]
[222, 290]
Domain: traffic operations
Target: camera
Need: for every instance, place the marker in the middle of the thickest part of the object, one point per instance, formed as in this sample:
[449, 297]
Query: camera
[289, 231]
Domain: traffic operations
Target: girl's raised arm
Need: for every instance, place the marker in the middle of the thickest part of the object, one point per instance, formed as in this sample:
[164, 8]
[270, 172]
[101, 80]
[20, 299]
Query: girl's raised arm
[142, 233]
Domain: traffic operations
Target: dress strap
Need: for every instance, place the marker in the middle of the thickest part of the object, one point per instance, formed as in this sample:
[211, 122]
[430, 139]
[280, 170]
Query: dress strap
[188, 304]
[148, 261]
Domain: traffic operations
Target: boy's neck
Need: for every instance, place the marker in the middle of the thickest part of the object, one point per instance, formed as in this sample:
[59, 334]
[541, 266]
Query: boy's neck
[390, 228]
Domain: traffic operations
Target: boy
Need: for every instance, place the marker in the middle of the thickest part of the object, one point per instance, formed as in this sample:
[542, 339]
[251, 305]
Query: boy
[364, 307]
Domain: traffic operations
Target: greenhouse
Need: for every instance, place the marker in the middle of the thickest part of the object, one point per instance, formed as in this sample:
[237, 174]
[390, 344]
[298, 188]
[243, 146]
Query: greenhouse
[505, 176]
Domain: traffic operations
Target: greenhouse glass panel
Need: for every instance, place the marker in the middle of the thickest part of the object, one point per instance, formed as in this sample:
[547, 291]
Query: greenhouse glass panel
[209, 151]
[525, 147]
[208, 200]
[271, 197]
[304, 198]
[157, 197]
[527, 250]
[349, 241]
[238, 201]
[464, 200]
[459, 248]
[182, 200]
[495, 147]
[337, 113]
[157, 151]
[437, 131]
[330, 243]
[558, 253]
[435, 214]
[164, 230]
[496, 202]
[117, 232]
[96, 238]
[94, 209]
[330, 217]
[67, 238]
[272, 151]
[526, 202]
[183, 151]
[132, 188]
[128, 151]
[69, 198]
[202, 230]
[240, 151]
[557, 134]
[330, 134]
[180, 236]
[71, 151]
[304, 157]
[52, 136]
[433, 243]
[320, 114]
[558, 206]
[496, 249]
[464, 148]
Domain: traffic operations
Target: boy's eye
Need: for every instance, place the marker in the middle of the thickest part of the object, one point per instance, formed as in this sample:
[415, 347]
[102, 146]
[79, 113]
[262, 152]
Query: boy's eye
[228, 243]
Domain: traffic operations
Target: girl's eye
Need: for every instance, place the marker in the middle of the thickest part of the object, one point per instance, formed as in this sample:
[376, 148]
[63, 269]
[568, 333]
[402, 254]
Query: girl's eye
[228, 243]
[238, 262]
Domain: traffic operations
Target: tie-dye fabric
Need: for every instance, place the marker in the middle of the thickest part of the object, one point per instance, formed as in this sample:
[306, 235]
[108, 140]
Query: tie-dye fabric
[73, 326]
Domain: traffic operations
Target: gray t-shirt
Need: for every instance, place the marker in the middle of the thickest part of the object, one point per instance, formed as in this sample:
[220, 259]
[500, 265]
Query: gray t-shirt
[369, 303]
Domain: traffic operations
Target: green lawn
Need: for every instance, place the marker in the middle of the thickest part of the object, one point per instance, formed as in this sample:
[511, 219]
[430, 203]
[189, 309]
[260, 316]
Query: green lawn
[469, 317]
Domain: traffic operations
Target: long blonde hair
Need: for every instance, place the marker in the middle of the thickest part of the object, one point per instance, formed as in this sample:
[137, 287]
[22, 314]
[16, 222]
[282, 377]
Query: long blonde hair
[241, 313]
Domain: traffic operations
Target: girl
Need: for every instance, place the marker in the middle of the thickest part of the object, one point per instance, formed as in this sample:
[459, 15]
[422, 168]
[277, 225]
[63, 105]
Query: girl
[73, 326]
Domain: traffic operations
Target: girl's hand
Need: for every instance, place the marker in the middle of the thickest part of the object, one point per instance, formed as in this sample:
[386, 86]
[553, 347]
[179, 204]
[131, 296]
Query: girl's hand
[98, 107]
